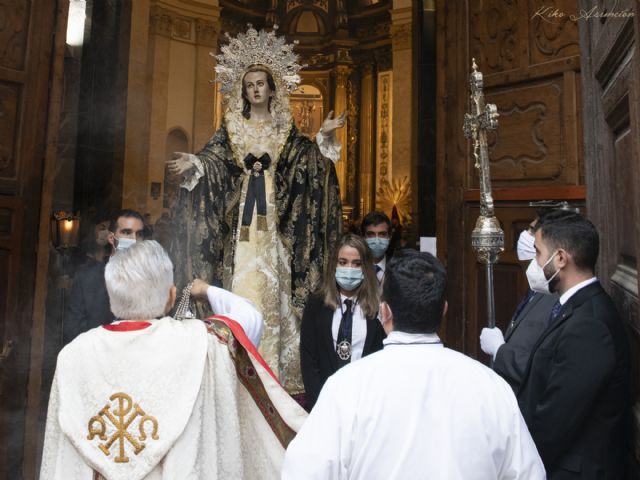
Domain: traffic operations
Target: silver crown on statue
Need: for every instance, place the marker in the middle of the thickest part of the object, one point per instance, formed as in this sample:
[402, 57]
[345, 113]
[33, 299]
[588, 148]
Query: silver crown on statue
[257, 48]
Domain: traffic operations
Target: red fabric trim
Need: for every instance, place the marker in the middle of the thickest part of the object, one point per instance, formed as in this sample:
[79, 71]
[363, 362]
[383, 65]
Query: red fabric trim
[238, 332]
[126, 326]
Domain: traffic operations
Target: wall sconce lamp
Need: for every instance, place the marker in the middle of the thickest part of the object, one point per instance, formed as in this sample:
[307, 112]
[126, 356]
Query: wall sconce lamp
[65, 230]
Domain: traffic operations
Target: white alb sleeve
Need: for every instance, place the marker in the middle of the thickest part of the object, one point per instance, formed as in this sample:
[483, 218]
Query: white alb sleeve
[329, 146]
[191, 178]
[223, 302]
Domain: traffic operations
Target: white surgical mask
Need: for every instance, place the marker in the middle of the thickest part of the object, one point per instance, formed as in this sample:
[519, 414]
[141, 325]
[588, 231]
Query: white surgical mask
[349, 278]
[535, 275]
[378, 246]
[124, 243]
[526, 249]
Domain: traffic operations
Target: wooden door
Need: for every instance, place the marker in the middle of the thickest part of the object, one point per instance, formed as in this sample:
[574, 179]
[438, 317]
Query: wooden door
[26, 32]
[532, 73]
[611, 73]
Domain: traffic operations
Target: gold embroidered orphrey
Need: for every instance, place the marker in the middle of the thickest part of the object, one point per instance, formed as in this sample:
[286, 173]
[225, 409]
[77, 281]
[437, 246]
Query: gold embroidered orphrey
[121, 413]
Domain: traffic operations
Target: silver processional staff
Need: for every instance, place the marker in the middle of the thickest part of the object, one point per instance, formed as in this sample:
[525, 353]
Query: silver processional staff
[487, 238]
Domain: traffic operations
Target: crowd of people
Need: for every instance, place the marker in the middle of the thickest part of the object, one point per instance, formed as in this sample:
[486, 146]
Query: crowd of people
[322, 359]
[386, 398]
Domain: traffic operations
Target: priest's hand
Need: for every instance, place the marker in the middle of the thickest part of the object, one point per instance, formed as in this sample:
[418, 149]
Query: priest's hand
[199, 289]
[180, 163]
[330, 123]
[491, 339]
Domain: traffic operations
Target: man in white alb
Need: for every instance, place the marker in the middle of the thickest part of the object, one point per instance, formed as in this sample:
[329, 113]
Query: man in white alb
[150, 397]
[415, 409]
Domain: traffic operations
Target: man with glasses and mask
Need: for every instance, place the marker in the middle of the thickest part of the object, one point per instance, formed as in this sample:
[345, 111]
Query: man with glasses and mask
[376, 230]
[575, 392]
[88, 305]
[511, 352]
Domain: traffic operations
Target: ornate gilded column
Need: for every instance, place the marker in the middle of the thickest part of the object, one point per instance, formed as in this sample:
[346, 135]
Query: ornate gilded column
[341, 74]
[404, 137]
[367, 181]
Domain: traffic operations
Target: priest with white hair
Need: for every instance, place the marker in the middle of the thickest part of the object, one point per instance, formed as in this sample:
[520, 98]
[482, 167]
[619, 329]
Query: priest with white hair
[152, 397]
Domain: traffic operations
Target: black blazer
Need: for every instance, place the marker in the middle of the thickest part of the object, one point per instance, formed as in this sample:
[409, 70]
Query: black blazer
[512, 357]
[318, 359]
[575, 395]
[88, 306]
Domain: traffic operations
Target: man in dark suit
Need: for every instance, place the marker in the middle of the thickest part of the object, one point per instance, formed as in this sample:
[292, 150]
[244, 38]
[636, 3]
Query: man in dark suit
[88, 305]
[511, 352]
[575, 392]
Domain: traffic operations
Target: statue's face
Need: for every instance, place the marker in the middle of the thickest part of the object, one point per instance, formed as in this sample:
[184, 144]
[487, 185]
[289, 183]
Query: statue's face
[257, 88]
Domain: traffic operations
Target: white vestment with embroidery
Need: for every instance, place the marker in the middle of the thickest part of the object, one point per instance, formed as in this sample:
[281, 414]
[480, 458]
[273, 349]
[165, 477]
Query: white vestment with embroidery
[163, 402]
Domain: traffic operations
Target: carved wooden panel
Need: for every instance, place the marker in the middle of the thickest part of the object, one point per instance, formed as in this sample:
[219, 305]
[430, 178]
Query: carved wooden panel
[528, 145]
[553, 33]
[14, 27]
[531, 70]
[495, 34]
[9, 101]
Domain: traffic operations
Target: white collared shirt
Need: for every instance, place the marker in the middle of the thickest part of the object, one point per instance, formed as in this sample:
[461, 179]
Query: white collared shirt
[358, 329]
[569, 293]
[383, 266]
[414, 411]
[404, 338]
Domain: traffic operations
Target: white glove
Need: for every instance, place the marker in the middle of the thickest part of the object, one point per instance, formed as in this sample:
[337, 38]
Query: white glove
[491, 339]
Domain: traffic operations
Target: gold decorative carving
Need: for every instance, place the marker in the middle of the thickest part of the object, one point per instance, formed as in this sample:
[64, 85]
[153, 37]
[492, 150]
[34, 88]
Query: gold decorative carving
[317, 59]
[373, 30]
[321, 4]
[495, 37]
[206, 33]
[383, 133]
[343, 55]
[401, 36]
[342, 76]
[291, 4]
[396, 193]
[13, 33]
[342, 20]
[553, 38]
[353, 109]
[272, 14]
[121, 413]
[8, 121]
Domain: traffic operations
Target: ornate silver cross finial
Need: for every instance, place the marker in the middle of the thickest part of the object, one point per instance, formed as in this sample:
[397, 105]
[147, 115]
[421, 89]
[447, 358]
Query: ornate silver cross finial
[487, 238]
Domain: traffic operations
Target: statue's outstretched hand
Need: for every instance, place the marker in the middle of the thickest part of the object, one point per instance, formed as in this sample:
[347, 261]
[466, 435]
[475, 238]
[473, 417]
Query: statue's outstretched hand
[180, 163]
[330, 123]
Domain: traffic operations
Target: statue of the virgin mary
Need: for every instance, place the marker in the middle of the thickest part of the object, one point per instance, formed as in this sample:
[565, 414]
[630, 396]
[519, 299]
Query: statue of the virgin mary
[259, 205]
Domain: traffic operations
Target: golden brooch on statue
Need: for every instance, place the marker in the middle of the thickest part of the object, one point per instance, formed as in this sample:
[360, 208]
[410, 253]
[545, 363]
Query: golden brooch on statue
[256, 169]
[122, 414]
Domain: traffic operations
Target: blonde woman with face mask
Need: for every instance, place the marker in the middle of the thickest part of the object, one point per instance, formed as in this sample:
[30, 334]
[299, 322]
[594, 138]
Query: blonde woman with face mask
[340, 324]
